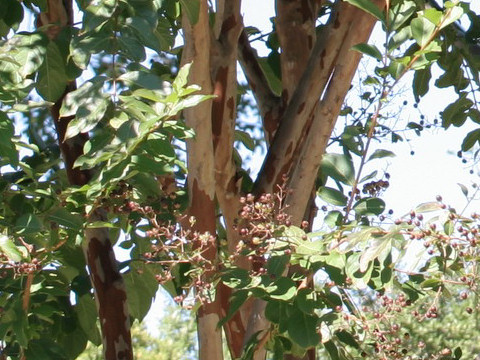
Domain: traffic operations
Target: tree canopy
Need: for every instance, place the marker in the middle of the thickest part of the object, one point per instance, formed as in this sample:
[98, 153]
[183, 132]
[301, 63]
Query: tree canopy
[123, 124]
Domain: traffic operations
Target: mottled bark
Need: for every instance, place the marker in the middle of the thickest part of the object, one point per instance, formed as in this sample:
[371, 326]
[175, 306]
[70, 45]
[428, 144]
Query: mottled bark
[201, 175]
[326, 113]
[107, 282]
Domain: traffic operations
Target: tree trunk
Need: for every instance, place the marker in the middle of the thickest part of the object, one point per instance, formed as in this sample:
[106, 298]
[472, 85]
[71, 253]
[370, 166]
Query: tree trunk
[107, 282]
[316, 75]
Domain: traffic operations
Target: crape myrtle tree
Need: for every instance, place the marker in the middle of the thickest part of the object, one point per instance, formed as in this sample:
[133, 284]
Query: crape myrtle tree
[113, 133]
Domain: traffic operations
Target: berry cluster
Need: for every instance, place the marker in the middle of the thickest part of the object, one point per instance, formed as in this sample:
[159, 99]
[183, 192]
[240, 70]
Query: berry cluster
[375, 188]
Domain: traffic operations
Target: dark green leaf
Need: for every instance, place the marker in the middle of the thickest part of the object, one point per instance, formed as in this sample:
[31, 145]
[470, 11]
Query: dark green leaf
[13, 11]
[456, 113]
[302, 328]
[283, 289]
[421, 81]
[276, 265]
[28, 224]
[332, 350]
[470, 140]
[347, 338]
[65, 218]
[7, 147]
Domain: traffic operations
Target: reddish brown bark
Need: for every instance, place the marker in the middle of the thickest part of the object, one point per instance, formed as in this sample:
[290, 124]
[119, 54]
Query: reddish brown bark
[107, 282]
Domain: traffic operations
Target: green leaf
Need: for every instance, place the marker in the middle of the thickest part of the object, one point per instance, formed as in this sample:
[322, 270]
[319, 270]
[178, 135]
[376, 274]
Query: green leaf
[367, 49]
[464, 189]
[456, 113]
[8, 248]
[181, 80]
[400, 13]
[369, 206]
[8, 151]
[32, 49]
[381, 153]
[142, 80]
[428, 207]
[88, 115]
[332, 350]
[422, 30]
[347, 338]
[448, 227]
[63, 217]
[452, 14]
[302, 328]
[375, 249]
[52, 77]
[332, 196]
[237, 299]
[339, 167]
[141, 286]
[269, 68]
[333, 219]
[276, 265]
[283, 289]
[369, 7]
[245, 138]
[143, 30]
[470, 140]
[87, 317]
[421, 81]
[28, 224]
[277, 311]
[192, 9]
[433, 15]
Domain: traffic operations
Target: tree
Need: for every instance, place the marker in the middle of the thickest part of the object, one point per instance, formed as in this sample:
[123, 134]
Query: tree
[148, 160]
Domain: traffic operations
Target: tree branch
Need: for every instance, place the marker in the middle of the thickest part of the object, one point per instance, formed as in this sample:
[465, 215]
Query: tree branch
[268, 103]
[326, 114]
[298, 114]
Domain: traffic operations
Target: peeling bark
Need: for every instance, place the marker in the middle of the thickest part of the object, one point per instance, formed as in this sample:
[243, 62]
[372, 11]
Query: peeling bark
[110, 292]
[312, 149]
[201, 175]
[107, 282]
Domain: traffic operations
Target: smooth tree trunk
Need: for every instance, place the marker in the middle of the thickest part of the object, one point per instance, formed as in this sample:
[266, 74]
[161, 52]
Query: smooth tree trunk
[107, 282]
